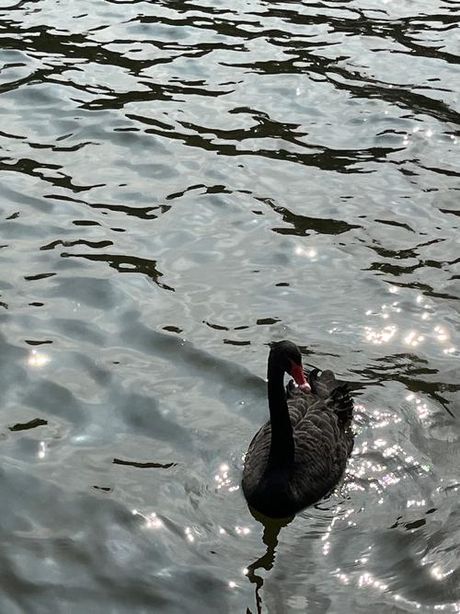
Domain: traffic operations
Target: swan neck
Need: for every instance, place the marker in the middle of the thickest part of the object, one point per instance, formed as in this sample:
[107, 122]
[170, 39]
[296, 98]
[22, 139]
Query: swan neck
[282, 442]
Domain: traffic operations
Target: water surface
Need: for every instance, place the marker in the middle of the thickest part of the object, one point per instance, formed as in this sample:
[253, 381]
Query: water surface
[182, 183]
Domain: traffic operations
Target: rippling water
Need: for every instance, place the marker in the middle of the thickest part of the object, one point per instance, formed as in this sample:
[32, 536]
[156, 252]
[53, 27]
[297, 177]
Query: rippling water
[182, 182]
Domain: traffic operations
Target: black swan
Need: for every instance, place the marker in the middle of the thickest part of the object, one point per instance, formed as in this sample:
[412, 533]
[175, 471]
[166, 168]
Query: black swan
[299, 455]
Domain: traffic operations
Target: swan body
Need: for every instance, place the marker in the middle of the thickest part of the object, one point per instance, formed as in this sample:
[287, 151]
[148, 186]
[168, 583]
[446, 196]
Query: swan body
[299, 455]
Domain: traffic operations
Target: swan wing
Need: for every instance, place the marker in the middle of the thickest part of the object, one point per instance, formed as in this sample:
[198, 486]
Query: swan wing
[322, 446]
[256, 458]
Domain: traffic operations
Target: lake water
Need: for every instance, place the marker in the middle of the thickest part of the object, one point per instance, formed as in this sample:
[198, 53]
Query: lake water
[181, 183]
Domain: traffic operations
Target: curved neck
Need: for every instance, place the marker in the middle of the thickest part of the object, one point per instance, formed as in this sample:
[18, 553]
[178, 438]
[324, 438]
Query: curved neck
[282, 442]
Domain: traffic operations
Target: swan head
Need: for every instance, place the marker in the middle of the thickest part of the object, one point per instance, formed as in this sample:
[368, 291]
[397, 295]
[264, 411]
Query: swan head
[286, 356]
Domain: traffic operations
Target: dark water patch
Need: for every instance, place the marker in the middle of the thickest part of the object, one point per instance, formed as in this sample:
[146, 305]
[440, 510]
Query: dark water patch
[303, 224]
[32, 424]
[93, 244]
[126, 264]
[38, 276]
[235, 342]
[215, 326]
[139, 465]
[266, 321]
[103, 488]
[172, 329]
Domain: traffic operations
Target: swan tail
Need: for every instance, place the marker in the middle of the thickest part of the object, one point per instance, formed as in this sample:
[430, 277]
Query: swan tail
[340, 400]
[322, 385]
[336, 394]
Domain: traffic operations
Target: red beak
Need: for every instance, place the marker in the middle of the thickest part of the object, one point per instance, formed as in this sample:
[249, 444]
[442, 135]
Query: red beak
[299, 377]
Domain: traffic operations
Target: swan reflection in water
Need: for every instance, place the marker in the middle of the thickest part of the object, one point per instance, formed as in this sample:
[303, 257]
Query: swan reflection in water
[331, 510]
[272, 528]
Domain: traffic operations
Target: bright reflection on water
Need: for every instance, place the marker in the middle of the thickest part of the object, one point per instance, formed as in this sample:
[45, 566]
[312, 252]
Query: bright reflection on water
[189, 534]
[310, 253]
[390, 332]
[224, 480]
[41, 450]
[151, 520]
[37, 359]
